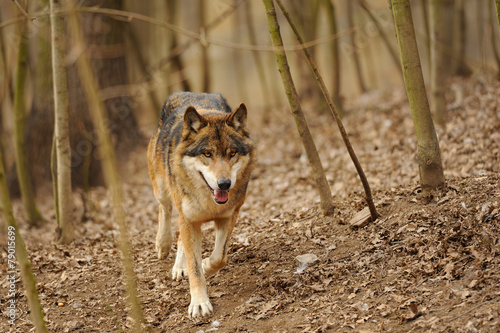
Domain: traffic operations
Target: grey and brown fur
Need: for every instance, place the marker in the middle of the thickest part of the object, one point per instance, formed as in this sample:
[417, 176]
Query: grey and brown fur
[200, 158]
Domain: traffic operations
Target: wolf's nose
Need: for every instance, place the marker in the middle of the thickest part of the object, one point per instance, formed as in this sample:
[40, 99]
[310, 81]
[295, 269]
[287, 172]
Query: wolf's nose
[224, 183]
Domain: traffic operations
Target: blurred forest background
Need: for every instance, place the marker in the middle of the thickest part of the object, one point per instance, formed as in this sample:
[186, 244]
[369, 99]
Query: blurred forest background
[213, 46]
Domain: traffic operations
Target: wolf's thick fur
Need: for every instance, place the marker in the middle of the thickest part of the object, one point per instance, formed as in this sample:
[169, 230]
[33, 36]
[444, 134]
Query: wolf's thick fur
[200, 158]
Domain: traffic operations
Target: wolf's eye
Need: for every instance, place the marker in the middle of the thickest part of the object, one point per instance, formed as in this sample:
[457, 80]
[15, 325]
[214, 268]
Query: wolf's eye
[232, 154]
[207, 154]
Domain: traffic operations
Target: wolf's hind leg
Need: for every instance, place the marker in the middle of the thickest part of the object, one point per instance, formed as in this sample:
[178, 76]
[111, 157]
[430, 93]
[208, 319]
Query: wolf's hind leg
[180, 268]
[164, 235]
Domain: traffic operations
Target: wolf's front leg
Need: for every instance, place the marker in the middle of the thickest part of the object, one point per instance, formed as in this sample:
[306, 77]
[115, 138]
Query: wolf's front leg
[218, 258]
[180, 267]
[191, 241]
[164, 235]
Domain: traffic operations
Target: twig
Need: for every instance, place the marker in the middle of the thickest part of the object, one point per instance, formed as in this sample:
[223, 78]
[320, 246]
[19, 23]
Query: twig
[23, 11]
[472, 309]
[144, 18]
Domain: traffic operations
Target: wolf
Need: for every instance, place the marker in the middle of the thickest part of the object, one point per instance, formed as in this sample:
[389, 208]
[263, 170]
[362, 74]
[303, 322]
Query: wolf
[201, 158]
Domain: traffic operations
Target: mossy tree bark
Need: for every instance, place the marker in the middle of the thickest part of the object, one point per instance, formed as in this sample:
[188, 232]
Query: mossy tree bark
[109, 163]
[327, 207]
[64, 197]
[23, 175]
[428, 152]
[438, 72]
[20, 254]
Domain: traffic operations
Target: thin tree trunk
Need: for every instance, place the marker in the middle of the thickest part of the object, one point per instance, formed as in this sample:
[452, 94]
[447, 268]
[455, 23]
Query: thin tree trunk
[428, 152]
[355, 56]
[205, 65]
[497, 6]
[261, 71]
[493, 39]
[332, 19]
[459, 35]
[239, 68]
[327, 207]
[335, 114]
[306, 13]
[64, 197]
[438, 72]
[392, 51]
[110, 169]
[175, 55]
[480, 32]
[27, 193]
[137, 52]
[427, 29]
[15, 241]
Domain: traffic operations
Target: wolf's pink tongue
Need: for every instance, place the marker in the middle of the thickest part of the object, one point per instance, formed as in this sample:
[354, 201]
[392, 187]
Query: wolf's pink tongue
[221, 195]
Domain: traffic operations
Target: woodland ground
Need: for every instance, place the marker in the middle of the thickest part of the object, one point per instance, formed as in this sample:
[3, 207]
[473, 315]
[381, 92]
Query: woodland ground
[426, 265]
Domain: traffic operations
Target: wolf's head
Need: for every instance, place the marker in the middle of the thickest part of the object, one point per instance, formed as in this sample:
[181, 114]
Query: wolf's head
[218, 150]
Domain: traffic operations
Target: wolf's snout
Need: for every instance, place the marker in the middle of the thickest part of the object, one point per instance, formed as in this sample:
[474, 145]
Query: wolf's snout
[224, 183]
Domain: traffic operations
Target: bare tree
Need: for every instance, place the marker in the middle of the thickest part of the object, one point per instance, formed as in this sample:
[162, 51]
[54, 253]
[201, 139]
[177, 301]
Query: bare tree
[497, 6]
[327, 207]
[109, 65]
[335, 57]
[494, 47]
[438, 71]
[205, 64]
[335, 114]
[63, 194]
[20, 254]
[261, 71]
[355, 56]
[238, 64]
[100, 121]
[23, 175]
[176, 49]
[392, 51]
[459, 35]
[428, 152]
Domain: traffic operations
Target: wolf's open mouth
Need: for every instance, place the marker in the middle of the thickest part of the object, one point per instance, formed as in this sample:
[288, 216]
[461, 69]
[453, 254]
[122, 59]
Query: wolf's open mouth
[220, 196]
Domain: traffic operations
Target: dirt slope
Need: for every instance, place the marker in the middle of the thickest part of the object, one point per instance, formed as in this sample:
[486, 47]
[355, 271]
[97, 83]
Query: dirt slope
[427, 264]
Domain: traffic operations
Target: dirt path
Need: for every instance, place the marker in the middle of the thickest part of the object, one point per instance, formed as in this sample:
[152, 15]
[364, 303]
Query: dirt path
[423, 266]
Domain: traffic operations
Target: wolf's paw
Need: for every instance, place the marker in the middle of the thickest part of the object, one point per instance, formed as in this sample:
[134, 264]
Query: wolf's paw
[203, 309]
[162, 249]
[207, 268]
[179, 273]
[210, 268]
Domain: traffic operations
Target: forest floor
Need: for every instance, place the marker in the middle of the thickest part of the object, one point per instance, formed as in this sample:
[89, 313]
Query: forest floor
[427, 264]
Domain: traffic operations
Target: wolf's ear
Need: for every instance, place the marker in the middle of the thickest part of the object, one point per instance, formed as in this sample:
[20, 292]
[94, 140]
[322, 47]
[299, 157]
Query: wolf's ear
[238, 119]
[193, 121]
